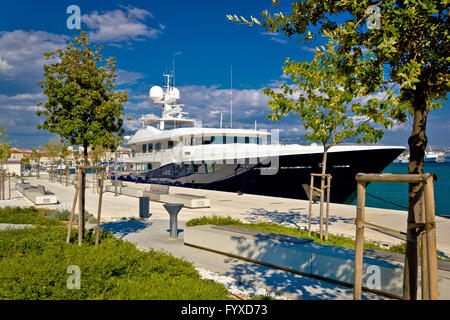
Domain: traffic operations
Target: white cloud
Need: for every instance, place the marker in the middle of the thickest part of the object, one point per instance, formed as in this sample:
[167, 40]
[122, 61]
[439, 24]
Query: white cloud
[206, 103]
[309, 49]
[4, 66]
[270, 33]
[282, 41]
[22, 56]
[128, 78]
[127, 23]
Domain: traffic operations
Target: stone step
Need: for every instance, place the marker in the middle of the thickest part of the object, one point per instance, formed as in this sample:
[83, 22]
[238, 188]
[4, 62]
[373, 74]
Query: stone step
[306, 257]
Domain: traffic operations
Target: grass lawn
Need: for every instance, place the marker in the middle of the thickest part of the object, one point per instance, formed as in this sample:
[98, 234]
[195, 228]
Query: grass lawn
[34, 263]
[334, 240]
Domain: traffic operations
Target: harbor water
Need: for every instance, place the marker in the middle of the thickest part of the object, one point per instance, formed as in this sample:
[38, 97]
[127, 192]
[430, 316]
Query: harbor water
[395, 195]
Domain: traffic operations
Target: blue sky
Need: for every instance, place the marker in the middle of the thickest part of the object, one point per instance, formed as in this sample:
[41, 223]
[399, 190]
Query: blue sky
[145, 37]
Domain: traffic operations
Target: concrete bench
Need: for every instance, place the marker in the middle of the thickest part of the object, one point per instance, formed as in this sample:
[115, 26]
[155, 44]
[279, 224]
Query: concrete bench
[125, 190]
[37, 194]
[309, 258]
[131, 192]
[156, 191]
[112, 188]
[188, 200]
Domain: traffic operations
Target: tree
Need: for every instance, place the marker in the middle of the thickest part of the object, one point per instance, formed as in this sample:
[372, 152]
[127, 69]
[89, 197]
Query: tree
[82, 106]
[410, 39]
[329, 113]
[53, 149]
[5, 148]
[36, 158]
[97, 153]
[5, 153]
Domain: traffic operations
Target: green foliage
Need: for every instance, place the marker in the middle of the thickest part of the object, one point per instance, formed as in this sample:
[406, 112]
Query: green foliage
[53, 148]
[411, 44]
[34, 216]
[214, 219]
[331, 112]
[31, 215]
[35, 155]
[34, 261]
[97, 153]
[412, 40]
[81, 106]
[5, 148]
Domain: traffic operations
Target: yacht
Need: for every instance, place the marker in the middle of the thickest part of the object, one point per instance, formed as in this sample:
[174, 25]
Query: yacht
[176, 150]
[403, 158]
[434, 157]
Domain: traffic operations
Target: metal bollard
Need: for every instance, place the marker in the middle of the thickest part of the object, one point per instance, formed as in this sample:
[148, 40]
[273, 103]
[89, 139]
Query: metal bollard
[173, 209]
[144, 207]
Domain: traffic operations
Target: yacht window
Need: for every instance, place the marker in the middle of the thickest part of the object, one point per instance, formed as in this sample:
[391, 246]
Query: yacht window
[218, 140]
[179, 168]
[200, 168]
[252, 140]
[239, 139]
[149, 166]
[158, 146]
[224, 140]
[210, 167]
[207, 140]
[144, 148]
[170, 145]
[150, 147]
[247, 140]
[258, 140]
[235, 140]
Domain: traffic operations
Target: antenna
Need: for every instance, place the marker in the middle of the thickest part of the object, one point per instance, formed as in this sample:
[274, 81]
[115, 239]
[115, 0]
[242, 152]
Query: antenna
[231, 102]
[221, 114]
[173, 69]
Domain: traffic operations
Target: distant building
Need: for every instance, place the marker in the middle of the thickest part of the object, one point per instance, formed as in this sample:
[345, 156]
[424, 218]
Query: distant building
[20, 154]
[13, 166]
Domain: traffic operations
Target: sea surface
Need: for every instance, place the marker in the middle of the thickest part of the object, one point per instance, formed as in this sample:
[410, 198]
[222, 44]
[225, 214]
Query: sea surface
[395, 195]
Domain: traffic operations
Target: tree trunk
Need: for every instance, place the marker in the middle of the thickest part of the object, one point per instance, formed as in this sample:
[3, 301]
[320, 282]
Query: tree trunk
[322, 186]
[417, 146]
[83, 189]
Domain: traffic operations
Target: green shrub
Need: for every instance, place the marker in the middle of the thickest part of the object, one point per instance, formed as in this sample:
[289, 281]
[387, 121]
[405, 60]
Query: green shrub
[35, 216]
[34, 261]
[214, 219]
[28, 215]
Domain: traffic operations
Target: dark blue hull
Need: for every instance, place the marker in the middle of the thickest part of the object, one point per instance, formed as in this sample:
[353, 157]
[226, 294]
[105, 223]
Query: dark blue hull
[286, 181]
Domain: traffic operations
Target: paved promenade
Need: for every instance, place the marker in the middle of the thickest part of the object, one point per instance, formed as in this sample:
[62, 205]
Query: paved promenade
[246, 207]
[153, 232]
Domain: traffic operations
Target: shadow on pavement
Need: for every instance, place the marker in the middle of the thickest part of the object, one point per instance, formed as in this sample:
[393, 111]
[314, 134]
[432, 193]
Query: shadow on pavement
[290, 218]
[123, 228]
